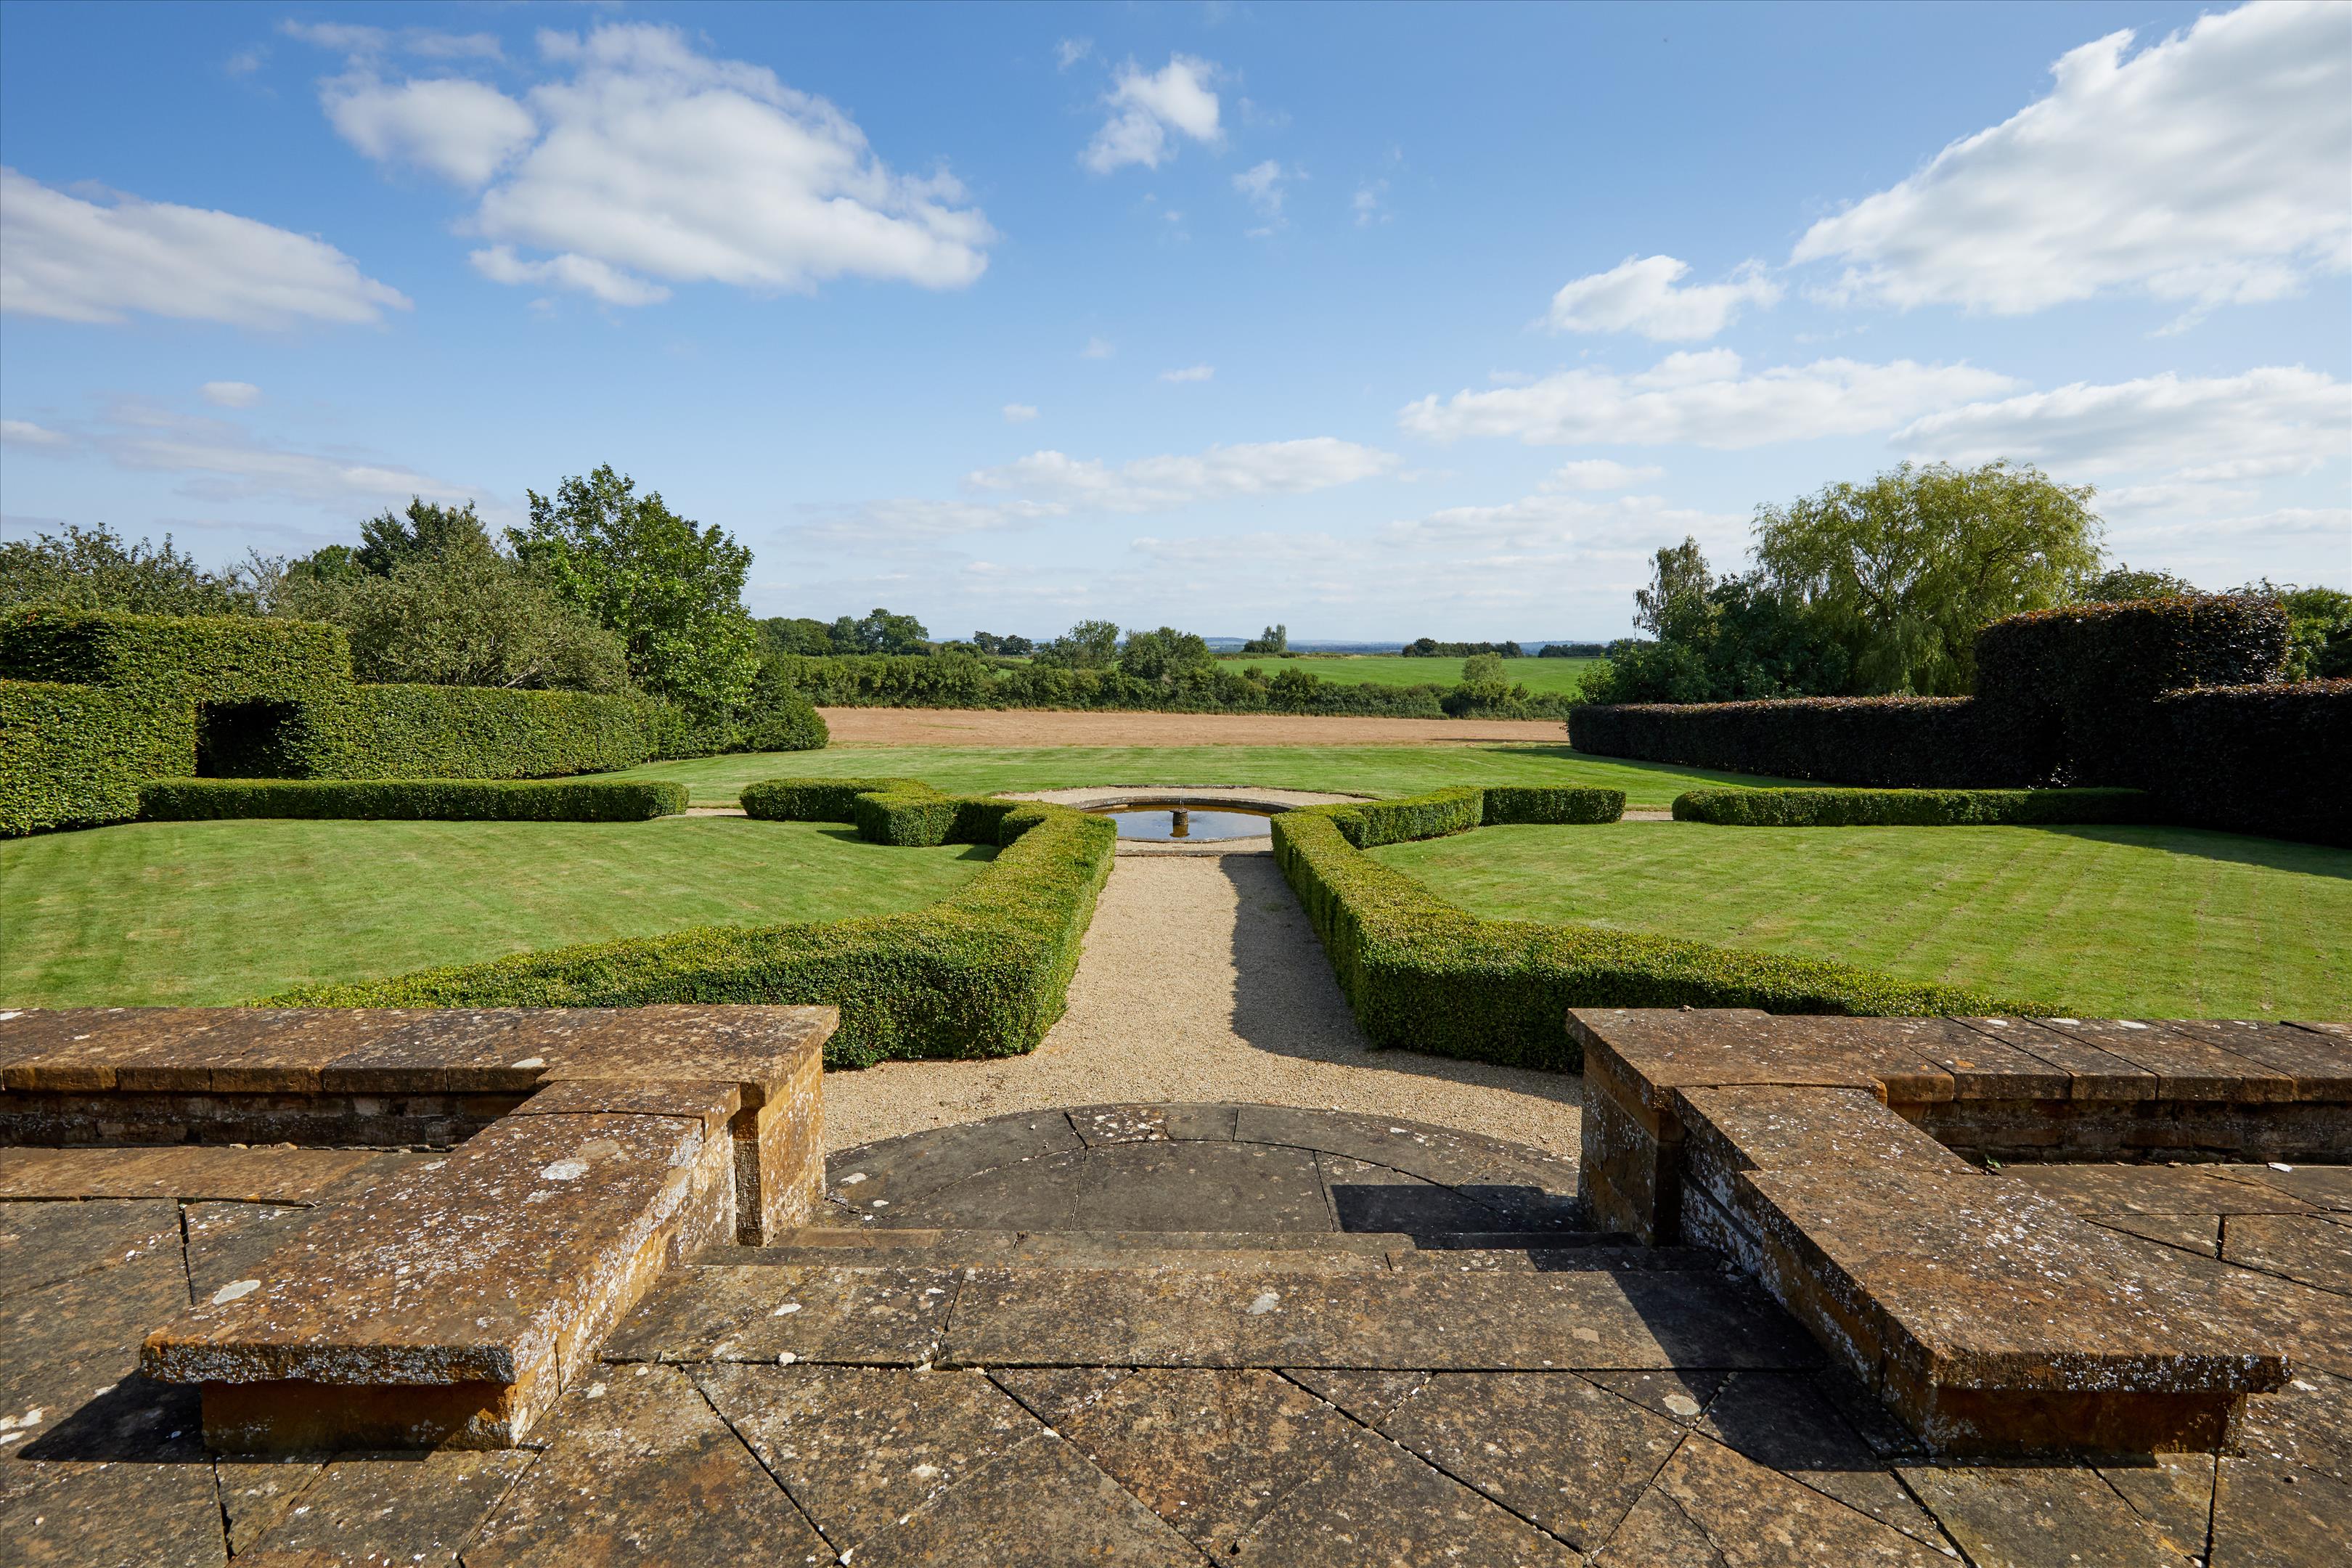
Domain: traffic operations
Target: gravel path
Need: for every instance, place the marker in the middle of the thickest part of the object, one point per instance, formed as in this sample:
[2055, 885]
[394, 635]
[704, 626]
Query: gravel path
[1049, 727]
[1201, 980]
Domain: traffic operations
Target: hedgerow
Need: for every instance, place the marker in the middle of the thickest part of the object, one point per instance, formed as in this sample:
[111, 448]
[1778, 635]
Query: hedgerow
[448, 800]
[1424, 976]
[1908, 808]
[74, 756]
[982, 972]
[462, 732]
[179, 658]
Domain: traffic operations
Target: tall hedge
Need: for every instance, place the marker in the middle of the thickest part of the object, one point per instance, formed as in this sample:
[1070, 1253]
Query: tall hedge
[463, 732]
[74, 756]
[982, 972]
[1884, 742]
[1422, 975]
[194, 659]
[2274, 760]
[412, 800]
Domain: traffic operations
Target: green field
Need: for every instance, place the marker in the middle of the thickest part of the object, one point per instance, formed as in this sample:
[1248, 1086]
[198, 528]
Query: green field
[213, 912]
[2132, 921]
[1556, 677]
[1342, 770]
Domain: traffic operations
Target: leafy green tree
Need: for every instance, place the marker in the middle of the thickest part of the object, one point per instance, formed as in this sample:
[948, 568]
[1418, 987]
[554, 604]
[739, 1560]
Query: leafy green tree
[2318, 628]
[1089, 645]
[466, 616]
[1908, 569]
[1728, 640]
[96, 569]
[1274, 639]
[794, 634]
[1166, 656]
[879, 631]
[673, 592]
[1678, 578]
[391, 540]
[2119, 583]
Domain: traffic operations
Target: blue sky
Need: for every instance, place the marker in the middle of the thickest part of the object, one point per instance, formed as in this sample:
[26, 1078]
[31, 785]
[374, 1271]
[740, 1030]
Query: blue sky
[1383, 322]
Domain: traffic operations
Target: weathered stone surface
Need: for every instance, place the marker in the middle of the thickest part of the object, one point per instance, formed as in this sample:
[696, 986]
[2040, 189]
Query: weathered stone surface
[1368, 1197]
[1662, 1049]
[1729, 1130]
[1105, 1124]
[639, 1470]
[1377, 1503]
[395, 1511]
[1058, 1394]
[2321, 1186]
[2185, 1068]
[453, 1051]
[96, 1410]
[243, 1175]
[1134, 1187]
[2200, 1233]
[711, 1105]
[256, 1493]
[1758, 1519]
[1680, 1396]
[1439, 1154]
[43, 1242]
[859, 1317]
[1784, 1422]
[263, 1050]
[1208, 1452]
[102, 1314]
[1659, 1534]
[1040, 1506]
[1366, 1395]
[896, 1173]
[2091, 1073]
[2039, 1517]
[1983, 1065]
[2307, 1425]
[859, 1448]
[2262, 1518]
[229, 1242]
[1471, 1321]
[83, 1047]
[2152, 1189]
[113, 1515]
[2307, 1247]
[2173, 1492]
[1550, 1446]
[759, 1049]
[503, 1265]
[2321, 1067]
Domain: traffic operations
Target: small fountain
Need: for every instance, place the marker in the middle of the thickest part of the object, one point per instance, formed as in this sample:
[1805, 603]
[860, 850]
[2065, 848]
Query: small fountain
[1184, 821]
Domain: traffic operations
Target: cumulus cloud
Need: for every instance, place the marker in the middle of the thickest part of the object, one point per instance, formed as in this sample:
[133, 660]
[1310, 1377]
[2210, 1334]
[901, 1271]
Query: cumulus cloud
[230, 393]
[1598, 474]
[2208, 168]
[1189, 373]
[217, 460]
[1158, 484]
[75, 260]
[2280, 419]
[1549, 521]
[650, 164]
[1641, 295]
[1707, 399]
[1019, 413]
[462, 131]
[1146, 107]
[1070, 51]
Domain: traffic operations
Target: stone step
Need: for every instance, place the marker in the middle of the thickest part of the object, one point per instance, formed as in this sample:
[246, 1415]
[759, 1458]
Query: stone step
[1211, 1251]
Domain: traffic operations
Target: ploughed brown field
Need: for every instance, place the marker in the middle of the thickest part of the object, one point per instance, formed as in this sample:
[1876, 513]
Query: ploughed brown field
[1054, 727]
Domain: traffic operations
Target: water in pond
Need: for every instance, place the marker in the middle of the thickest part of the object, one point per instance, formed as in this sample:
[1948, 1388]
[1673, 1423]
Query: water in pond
[1173, 824]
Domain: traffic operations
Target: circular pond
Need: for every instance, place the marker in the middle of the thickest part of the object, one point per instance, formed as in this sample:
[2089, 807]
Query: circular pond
[1184, 822]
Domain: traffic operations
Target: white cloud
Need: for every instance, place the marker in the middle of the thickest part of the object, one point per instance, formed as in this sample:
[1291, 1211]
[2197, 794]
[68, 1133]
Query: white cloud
[2208, 168]
[2280, 419]
[1707, 399]
[363, 43]
[1146, 107]
[1368, 203]
[230, 393]
[1097, 348]
[1553, 521]
[462, 131]
[1598, 474]
[1262, 183]
[1070, 51]
[499, 264]
[651, 165]
[1219, 473]
[24, 432]
[869, 526]
[1640, 295]
[75, 260]
[1019, 413]
[1189, 373]
[219, 460]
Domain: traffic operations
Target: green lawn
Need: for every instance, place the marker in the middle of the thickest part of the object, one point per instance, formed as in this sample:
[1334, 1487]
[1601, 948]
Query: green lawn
[212, 912]
[1344, 770]
[2111, 922]
[1559, 676]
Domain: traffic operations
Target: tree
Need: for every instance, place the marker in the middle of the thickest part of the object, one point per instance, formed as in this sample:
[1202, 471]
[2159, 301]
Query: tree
[1679, 577]
[672, 590]
[96, 569]
[881, 632]
[2118, 583]
[1089, 645]
[2318, 628]
[1907, 570]
[1008, 646]
[391, 540]
[1166, 656]
[1274, 639]
[466, 616]
[794, 634]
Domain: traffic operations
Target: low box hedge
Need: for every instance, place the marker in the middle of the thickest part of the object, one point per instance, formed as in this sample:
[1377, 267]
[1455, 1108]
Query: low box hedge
[74, 756]
[1422, 975]
[1558, 807]
[810, 800]
[1908, 808]
[983, 973]
[442, 800]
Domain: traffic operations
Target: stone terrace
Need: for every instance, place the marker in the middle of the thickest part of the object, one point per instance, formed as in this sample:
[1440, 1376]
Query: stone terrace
[1172, 1334]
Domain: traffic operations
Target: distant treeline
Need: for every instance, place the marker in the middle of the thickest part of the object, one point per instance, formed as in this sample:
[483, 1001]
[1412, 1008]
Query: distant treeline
[1430, 648]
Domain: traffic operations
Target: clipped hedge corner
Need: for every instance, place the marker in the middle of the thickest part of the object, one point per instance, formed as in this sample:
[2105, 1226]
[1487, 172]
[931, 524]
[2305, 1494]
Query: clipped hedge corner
[983, 973]
[1422, 975]
[1910, 808]
[414, 800]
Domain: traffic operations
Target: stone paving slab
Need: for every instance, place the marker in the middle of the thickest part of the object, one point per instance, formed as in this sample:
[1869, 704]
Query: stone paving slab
[114, 1515]
[1041, 1505]
[1753, 1517]
[240, 1174]
[229, 1242]
[2092, 1074]
[42, 1244]
[2186, 1066]
[1378, 1503]
[2317, 1063]
[1468, 1320]
[394, 1509]
[2303, 1247]
[1133, 1186]
[2153, 1189]
[1788, 1422]
[1104, 1124]
[899, 1170]
[843, 1316]
[2041, 1515]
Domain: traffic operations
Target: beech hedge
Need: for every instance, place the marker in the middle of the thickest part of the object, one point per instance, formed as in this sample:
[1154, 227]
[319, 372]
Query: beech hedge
[1422, 975]
[2272, 759]
[982, 972]
[1885, 742]
[1908, 808]
[461, 732]
[447, 800]
[74, 756]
